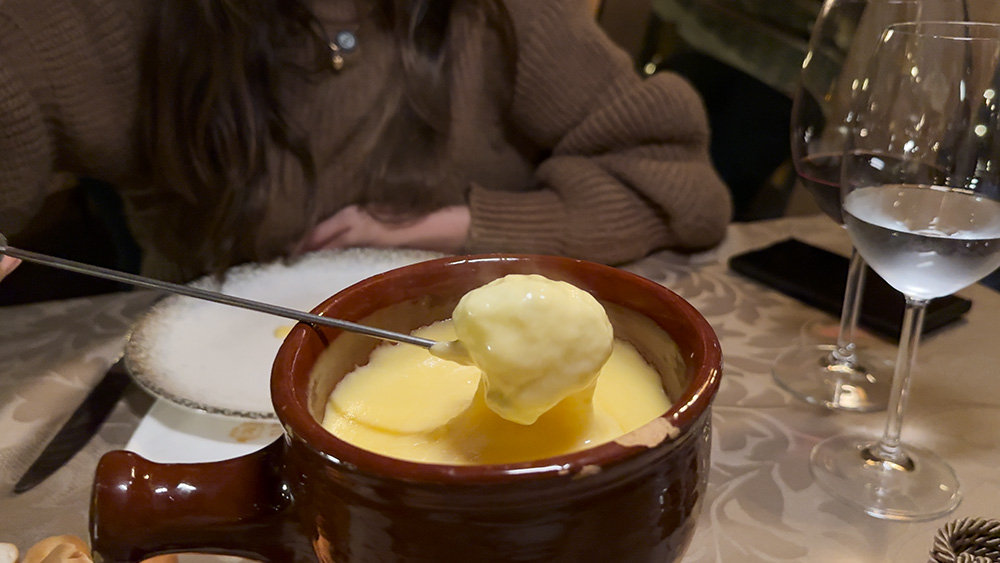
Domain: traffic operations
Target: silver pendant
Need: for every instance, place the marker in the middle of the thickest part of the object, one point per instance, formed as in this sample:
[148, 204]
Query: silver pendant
[344, 43]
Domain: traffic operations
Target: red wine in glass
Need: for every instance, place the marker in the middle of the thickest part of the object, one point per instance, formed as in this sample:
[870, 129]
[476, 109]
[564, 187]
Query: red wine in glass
[820, 175]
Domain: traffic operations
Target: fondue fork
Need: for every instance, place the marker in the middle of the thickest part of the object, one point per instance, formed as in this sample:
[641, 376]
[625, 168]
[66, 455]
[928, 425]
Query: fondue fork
[207, 295]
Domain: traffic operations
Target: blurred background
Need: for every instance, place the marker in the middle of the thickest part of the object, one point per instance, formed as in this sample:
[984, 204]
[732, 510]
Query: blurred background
[744, 57]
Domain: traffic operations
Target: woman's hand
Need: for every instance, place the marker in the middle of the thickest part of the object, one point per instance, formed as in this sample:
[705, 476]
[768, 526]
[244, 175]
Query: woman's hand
[444, 230]
[7, 265]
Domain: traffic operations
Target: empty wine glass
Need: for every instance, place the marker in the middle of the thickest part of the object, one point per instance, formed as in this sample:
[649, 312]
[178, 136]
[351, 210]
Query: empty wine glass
[921, 202]
[837, 376]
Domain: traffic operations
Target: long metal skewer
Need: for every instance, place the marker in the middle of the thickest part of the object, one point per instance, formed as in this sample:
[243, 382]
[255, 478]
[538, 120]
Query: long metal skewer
[207, 295]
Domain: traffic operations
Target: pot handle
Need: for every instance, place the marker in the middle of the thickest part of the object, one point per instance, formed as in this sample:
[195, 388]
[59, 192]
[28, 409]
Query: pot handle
[236, 507]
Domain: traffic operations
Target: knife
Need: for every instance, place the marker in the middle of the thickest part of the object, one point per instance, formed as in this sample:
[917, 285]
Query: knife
[85, 421]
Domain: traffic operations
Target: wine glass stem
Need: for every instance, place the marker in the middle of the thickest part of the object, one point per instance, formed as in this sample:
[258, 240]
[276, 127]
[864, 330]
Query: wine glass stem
[844, 353]
[888, 447]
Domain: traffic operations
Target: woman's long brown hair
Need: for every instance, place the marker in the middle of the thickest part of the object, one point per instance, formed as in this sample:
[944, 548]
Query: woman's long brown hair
[212, 113]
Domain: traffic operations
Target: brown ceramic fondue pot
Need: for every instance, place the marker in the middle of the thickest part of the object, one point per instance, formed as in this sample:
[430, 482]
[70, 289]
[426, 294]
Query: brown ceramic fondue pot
[311, 497]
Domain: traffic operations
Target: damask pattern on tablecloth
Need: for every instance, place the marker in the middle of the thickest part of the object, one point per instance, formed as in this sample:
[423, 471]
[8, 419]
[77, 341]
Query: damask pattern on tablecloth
[761, 504]
[33, 342]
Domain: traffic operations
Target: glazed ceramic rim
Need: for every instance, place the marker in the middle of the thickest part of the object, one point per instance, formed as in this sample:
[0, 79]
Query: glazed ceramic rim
[291, 394]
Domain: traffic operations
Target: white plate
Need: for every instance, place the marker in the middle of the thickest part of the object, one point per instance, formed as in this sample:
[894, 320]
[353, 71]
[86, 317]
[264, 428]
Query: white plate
[217, 358]
[171, 433]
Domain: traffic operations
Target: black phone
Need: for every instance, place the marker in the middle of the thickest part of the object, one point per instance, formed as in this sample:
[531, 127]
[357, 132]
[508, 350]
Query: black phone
[818, 278]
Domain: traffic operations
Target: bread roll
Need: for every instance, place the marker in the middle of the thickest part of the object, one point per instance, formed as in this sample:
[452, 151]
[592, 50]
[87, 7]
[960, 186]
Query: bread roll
[58, 549]
[63, 549]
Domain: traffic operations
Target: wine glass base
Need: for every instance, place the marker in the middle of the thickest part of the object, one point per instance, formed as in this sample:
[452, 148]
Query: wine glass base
[810, 374]
[923, 487]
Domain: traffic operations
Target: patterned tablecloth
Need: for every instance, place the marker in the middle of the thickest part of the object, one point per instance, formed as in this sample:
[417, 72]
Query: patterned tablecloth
[762, 504]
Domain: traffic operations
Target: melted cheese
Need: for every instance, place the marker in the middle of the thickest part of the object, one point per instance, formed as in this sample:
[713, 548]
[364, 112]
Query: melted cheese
[537, 342]
[409, 404]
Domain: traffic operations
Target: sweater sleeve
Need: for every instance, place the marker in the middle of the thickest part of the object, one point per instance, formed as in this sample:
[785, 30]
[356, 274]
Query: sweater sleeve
[68, 75]
[628, 170]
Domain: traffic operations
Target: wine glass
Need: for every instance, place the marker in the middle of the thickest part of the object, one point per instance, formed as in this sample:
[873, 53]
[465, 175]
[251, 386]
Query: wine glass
[921, 201]
[837, 376]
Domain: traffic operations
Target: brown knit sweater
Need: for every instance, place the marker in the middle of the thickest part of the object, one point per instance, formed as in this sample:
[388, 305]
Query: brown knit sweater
[602, 165]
